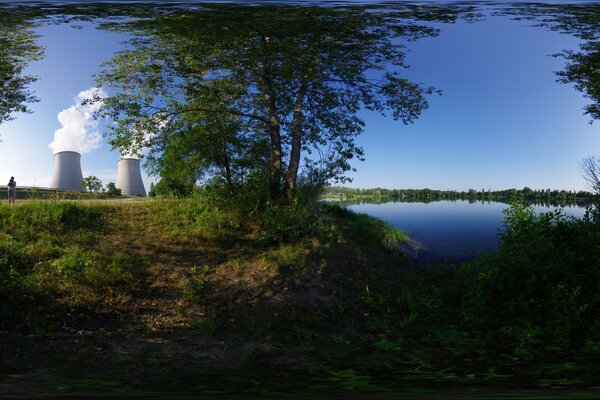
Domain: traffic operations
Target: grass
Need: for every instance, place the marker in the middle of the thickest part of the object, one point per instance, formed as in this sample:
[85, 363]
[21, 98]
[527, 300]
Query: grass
[180, 295]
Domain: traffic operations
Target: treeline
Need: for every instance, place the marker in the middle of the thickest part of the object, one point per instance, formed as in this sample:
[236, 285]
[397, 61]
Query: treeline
[528, 195]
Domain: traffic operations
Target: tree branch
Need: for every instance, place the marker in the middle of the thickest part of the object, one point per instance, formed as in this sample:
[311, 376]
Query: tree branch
[208, 110]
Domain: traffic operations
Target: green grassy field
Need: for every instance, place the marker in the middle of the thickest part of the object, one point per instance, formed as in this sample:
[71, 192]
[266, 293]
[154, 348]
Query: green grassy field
[186, 296]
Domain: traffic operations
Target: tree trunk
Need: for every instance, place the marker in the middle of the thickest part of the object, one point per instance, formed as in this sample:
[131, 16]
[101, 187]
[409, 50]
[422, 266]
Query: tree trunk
[274, 133]
[227, 165]
[292, 172]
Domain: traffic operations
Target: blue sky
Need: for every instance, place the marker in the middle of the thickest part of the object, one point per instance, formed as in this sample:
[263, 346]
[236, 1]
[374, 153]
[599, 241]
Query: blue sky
[501, 122]
[72, 56]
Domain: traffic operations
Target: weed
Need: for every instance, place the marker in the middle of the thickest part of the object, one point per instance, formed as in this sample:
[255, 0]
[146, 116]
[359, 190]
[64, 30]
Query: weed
[73, 263]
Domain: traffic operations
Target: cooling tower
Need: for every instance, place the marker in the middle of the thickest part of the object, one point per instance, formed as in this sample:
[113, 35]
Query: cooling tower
[67, 171]
[129, 177]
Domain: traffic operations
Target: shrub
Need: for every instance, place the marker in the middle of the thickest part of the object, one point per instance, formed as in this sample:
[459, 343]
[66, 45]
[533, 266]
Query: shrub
[539, 292]
[112, 190]
[285, 222]
[73, 264]
[13, 262]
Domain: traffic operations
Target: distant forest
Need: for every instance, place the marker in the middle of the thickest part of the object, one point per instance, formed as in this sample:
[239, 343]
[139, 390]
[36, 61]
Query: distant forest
[527, 195]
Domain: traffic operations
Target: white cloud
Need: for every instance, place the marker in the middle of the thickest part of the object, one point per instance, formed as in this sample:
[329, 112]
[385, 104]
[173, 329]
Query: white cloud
[79, 129]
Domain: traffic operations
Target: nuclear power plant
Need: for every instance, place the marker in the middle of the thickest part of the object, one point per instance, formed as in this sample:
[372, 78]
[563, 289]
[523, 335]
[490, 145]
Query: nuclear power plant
[129, 177]
[67, 171]
[68, 175]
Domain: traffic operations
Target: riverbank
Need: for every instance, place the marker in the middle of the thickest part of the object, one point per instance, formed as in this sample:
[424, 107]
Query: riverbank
[181, 296]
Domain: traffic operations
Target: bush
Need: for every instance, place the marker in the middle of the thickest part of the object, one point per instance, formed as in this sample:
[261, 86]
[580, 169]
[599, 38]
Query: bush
[13, 262]
[285, 222]
[73, 264]
[112, 190]
[540, 292]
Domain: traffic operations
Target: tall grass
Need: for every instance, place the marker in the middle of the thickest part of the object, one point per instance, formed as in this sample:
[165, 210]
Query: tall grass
[367, 228]
[53, 255]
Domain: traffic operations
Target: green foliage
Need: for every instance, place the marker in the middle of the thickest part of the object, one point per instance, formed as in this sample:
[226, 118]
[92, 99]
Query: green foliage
[152, 191]
[73, 264]
[370, 229]
[540, 291]
[174, 186]
[91, 184]
[33, 264]
[285, 222]
[112, 190]
[18, 48]
[196, 289]
[291, 77]
[101, 274]
[525, 315]
[381, 195]
[29, 220]
[199, 215]
[13, 261]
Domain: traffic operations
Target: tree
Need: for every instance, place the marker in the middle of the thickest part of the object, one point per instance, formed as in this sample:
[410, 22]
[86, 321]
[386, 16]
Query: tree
[91, 184]
[112, 190]
[582, 71]
[152, 191]
[242, 89]
[170, 186]
[590, 170]
[17, 49]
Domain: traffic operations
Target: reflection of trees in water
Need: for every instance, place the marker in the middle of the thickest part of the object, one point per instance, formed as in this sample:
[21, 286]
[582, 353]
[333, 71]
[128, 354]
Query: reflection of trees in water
[549, 204]
[547, 197]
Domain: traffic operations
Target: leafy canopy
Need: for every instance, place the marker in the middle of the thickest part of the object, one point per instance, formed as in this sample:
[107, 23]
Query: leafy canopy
[91, 184]
[18, 48]
[228, 92]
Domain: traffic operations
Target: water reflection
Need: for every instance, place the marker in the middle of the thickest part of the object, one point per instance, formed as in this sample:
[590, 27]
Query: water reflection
[447, 230]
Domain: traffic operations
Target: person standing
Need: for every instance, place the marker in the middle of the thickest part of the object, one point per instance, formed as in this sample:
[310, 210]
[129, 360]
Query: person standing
[12, 190]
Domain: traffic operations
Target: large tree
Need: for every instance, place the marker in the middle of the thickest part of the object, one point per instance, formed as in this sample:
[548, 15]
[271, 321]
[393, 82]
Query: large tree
[18, 48]
[293, 77]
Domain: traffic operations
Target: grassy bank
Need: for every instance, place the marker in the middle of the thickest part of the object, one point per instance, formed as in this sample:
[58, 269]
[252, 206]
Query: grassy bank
[32, 193]
[184, 295]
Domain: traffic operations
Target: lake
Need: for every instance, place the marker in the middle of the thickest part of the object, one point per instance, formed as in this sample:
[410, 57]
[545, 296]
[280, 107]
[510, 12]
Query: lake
[452, 230]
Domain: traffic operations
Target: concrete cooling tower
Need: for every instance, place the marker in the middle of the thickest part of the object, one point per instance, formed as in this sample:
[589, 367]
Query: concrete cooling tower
[129, 177]
[67, 171]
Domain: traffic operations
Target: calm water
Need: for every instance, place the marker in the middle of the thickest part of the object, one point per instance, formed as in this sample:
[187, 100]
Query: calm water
[455, 230]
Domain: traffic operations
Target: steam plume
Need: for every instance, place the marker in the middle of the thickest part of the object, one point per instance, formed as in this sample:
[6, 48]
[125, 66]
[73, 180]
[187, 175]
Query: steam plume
[79, 129]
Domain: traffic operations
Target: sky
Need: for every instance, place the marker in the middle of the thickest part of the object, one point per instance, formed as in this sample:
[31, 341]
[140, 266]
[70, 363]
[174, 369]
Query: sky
[72, 57]
[502, 121]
